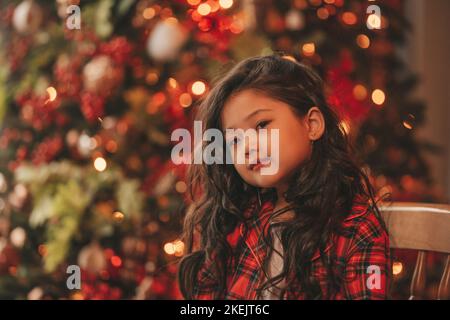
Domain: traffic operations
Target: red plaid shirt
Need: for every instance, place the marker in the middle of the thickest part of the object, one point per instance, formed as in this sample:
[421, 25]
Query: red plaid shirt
[361, 257]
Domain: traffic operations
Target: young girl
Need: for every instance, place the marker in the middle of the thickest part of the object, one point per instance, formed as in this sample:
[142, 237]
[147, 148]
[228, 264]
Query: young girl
[312, 229]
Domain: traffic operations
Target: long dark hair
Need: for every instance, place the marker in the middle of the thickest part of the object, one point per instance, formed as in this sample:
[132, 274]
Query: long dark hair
[322, 191]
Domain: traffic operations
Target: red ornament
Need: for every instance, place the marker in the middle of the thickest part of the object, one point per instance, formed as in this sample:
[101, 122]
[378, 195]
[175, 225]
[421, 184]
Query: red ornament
[92, 106]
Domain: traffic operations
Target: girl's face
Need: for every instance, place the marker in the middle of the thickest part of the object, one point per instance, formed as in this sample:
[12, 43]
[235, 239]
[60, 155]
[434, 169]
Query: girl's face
[251, 109]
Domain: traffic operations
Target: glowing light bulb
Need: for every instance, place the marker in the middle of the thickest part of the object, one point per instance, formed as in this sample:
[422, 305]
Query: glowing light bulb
[397, 268]
[204, 9]
[378, 97]
[198, 87]
[309, 49]
[52, 94]
[100, 164]
[226, 4]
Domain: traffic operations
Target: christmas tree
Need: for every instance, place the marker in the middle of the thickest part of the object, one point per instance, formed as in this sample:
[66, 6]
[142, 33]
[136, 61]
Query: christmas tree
[90, 92]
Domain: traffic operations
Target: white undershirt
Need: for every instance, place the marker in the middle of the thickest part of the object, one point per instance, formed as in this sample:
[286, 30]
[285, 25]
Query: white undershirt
[275, 266]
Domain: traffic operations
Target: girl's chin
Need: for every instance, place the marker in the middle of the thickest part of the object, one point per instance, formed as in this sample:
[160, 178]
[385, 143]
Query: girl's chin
[265, 181]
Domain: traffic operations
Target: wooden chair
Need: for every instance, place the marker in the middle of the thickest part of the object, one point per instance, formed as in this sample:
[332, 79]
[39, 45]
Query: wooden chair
[424, 227]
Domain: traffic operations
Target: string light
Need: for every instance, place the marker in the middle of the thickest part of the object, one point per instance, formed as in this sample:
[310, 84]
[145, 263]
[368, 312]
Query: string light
[309, 49]
[100, 164]
[169, 248]
[116, 261]
[148, 13]
[363, 41]
[193, 2]
[374, 21]
[185, 100]
[204, 9]
[118, 216]
[345, 126]
[152, 78]
[397, 268]
[180, 186]
[322, 13]
[349, 18]
[52, 94]
[179, 248]
[237, 26]
[111, 146]
[359, 92]
[378, 97]
[407, 125]
[198, 88]
[172, 83]
[174, 248]
[226, 4]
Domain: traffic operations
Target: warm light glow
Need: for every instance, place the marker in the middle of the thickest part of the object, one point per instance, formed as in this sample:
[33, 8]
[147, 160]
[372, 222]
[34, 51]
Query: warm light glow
[193, 2]
[363, 41]
[180, 186]
[169, 248]
[397, 268]
[374, 21]
[349, 18]
[185, 100]
[111, 146]
[198, 87]
[52, 94]
[322, 13]
[100, 164]
[152, 78]
[378, 97]
[407, 125]
[315, 3]
[172, 83]
[237, 26]
[178, 246]
[42, 249]
[309, 49]
[226, 4]
[345, 126]
[204, 9]
[118, 216]
[77, 296]
[172, 20]
[148, 13]
[360, 92]
[116, 261]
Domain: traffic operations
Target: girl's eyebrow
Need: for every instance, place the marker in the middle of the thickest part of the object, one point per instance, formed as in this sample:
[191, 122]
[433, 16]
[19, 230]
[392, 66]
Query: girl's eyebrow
[252, 114]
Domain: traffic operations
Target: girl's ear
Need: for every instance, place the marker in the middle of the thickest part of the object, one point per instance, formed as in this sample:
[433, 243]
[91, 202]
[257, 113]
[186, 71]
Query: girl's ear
[315, 123]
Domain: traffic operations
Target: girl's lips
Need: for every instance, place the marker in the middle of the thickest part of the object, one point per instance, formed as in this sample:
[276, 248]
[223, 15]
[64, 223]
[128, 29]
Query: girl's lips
[259, 164]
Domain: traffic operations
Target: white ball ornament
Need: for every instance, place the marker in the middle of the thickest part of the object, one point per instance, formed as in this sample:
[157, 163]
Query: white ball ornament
[295, 20]
[166, 40]
[102, 75]
[27, 17]
[18, 237]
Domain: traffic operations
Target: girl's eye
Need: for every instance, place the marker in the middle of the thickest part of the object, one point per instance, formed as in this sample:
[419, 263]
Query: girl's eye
[262, 124]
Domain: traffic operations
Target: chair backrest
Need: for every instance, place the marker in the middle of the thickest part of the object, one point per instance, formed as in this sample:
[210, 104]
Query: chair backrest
[424, 227]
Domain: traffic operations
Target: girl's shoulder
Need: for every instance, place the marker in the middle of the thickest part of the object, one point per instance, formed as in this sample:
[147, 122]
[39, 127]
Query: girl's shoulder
[363, 227]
